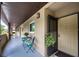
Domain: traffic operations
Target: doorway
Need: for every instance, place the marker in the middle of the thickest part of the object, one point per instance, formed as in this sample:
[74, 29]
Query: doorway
[52, 28]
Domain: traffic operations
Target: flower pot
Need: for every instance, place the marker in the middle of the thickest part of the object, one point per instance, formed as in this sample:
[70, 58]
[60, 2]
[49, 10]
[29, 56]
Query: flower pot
[50, 50]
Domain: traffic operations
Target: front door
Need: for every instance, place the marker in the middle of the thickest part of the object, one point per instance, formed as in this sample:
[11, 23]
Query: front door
[52, 28]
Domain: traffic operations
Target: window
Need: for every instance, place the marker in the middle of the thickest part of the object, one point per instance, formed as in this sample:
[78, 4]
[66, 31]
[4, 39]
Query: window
[32, 27]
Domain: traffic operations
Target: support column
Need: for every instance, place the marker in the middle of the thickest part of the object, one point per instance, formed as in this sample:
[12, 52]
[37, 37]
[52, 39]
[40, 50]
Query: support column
[78, 34]
[9, 26]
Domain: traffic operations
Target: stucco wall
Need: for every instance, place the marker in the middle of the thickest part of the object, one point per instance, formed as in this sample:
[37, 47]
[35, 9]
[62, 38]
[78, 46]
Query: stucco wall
[39, 30]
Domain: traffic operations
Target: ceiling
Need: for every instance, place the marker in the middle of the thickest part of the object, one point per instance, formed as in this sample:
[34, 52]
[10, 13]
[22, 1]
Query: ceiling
[59, 5]
[59, 9]
[18, 12]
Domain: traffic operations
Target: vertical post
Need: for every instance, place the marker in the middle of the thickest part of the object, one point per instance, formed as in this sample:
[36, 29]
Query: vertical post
[9, 31]
[20, 31]
[0, 18]
[78, 34]
[0, 26]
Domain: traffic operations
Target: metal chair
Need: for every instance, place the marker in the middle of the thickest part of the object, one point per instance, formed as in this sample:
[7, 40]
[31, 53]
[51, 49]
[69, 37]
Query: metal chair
[28, 43]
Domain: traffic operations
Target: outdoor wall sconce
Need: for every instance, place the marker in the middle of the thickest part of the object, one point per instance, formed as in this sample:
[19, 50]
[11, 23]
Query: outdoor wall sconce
[38, 15]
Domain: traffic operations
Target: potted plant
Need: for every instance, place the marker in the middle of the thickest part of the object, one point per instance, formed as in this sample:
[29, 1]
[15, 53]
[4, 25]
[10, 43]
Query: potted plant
[50, 43]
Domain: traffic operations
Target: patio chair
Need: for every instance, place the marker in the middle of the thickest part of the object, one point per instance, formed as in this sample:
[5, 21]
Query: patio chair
[24, 41]
[28, 43]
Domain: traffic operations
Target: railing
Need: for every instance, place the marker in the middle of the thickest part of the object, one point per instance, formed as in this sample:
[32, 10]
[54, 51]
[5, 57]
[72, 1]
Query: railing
[3, 41]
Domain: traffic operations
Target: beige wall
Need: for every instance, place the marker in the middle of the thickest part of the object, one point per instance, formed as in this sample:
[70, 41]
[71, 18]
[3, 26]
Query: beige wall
[39, 30]
[68, 31]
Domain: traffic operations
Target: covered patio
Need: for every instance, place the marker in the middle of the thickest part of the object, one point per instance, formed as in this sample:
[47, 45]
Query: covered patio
[13, 14]
[40, 29]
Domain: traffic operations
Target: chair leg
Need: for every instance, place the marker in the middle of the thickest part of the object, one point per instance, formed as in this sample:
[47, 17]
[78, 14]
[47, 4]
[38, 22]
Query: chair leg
[27, 51]
[30, 49]
[25, 48]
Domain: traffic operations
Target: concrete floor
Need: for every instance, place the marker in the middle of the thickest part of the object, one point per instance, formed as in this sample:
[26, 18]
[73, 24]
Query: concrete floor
[14, 48]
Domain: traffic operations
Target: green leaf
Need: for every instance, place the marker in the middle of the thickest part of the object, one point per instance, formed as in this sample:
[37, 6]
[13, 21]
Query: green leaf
[49, 40]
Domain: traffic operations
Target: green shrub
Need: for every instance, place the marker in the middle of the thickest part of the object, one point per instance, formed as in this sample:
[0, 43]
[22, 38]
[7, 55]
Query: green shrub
[2, 29]
[49, 40]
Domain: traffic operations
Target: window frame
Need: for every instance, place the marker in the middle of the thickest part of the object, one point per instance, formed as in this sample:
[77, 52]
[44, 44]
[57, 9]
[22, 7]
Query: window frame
[30, 27]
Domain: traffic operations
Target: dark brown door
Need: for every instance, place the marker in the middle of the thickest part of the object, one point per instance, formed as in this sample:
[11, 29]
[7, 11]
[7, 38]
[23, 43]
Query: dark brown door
[52, 28]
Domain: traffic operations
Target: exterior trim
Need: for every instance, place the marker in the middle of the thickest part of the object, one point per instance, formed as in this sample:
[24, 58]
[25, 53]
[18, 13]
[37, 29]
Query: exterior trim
[78, 34]
[68, 15]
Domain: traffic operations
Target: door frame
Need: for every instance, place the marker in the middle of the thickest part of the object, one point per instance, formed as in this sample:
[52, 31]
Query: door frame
[48, 28]
[78, 33]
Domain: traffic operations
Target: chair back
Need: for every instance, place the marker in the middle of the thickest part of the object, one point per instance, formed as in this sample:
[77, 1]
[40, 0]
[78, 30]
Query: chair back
[33, 40]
